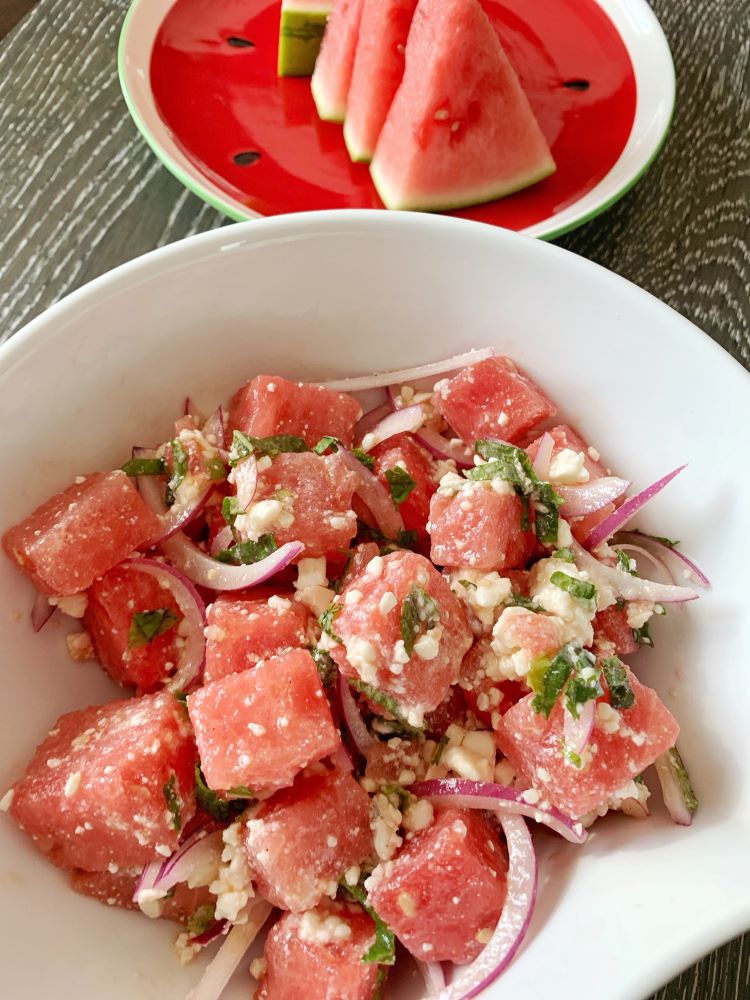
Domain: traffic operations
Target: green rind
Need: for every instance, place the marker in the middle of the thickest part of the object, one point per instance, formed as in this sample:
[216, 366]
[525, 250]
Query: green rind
[300, 35]
[325, 111]
[356, 154]
[453, 201]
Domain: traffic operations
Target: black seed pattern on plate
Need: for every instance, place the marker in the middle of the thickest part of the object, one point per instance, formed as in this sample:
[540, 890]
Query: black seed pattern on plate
[247, 158]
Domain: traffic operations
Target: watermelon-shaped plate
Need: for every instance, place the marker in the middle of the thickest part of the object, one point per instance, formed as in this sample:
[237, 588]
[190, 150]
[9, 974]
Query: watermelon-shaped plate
[200, 80]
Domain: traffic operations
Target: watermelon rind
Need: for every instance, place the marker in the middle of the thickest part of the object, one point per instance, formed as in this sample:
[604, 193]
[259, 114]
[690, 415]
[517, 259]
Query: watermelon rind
[300, 34]
[449, 201]
[356, 153]
[328, 112]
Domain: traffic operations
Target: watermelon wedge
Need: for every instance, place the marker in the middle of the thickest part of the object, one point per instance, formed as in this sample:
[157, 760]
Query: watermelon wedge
[333, 69]
[460, 130]
[378, 70]
[300, 33]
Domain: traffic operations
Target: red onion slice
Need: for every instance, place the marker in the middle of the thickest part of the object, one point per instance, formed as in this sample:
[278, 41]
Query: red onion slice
[189, 409]
[543, 457]
[404, 421]
[210, 934]
[677, 563]
[214, 429]
[441, 447]
[634, 808]
[577, 732]
[193, 652]
[222, 966]
[173, 518]
[41, 611]
[244, 476]
[224, 539]
[355, 725]
[147, 880]
[590, 497]
[631, 588]
[405, 375]
[433, 975]
[514, 921]
[678, 794]
[371, 419]
[374, 496]
[199, 849]
[627, 510]
[638, 550]
[503, 800]
[207, 572]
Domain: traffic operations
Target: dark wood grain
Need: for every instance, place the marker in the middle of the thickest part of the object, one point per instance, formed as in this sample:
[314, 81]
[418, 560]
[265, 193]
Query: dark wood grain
[80, 193]
[11, 12]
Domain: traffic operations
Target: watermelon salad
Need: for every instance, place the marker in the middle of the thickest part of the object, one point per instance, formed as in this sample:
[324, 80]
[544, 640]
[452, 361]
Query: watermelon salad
[368, 658]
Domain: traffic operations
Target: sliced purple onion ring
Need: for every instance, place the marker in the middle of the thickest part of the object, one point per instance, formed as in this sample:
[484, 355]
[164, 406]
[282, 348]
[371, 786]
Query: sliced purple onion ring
[173, 518]
[207, 572]
[189, 409]
[678, 794]
[404, 421]
[371, 419]
[215, 427]
[634, 808]
[223, 539]
[244, 476]
[638, 550]
[676, 562]
[147, 880]
[631, 588]
[201, 848]
[374, 496]
[403, 376]
[577, 732]
[222, 966]
[193, 653]
[543, 457]
[210, 934]
[590, 497]
[627, 510]
[501, 799]
[441, 447]
[433, 975]
[514, 921]
[355, 725]
[41, 611]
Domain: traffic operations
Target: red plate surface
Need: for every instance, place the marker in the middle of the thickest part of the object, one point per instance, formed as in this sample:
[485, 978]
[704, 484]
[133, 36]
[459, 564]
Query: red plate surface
[259, 139]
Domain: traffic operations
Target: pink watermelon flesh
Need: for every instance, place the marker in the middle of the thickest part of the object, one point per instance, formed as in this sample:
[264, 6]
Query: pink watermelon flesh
[378, 69]
[483, 529]
[333, 68]
[460, 130]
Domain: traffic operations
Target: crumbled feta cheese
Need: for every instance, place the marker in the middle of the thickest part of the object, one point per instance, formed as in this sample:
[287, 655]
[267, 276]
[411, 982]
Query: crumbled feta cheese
[351, 875]
[482, 592]
[320, 927]
[407, 903]
[317, 599]
[419, 815]
[73, 784]
[265, 516]
[80, 647]
[481, 742]
[74, 606]
[7, 800]
[232, 886]
[258, 968]
[374, 567]
[511, 659]
[387, 602]
[639, 612]
[466, 764]
[384, 823]
[256, 729]
[573, 614]
[568, 468]
[427, 646]
[352, 597]
[483, 935]
[607, 718]
[362, 656]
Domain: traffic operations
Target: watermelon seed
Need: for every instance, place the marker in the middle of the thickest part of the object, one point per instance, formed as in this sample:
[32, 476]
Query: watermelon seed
[240, 43]
[576, 84]
[246, 159]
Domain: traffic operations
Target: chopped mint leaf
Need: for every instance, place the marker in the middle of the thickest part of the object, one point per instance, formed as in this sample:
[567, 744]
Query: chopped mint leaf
[566, 555]
[378, 697]
[328, 617]
[367, 460]
[683, 779]
[173, 802]
[216, 806]
[180, 467]
[403, 539]
[642, 635]
[241, 792]
[216, 469]
[379, 985]
[201, 919]
[246, 553]
[638, 779]
[326, 666]
[625, 563]
[407, 539]
[400, 484]
[419, 614]
[230, 509]
[325, 443]
[145, 467]
[517, 600]
[182, 697]
[245, 444]
[402, 795]
[620, 692]
[577, 588]
[440, 749]
[514, 466]
[383, 951]
[468, 584]
[145, 626]
[585, 683]
[572, 756]
[669, 542]
[548, 678]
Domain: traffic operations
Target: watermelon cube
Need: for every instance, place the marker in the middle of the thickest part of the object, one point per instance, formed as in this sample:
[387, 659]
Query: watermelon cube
[270, 405]
[243, 630]
[493, 399]
[300, 842]
[622, 745]
[483, 692]
[118, 889]
[122, 649]
[112, 785]
[321, 491]
[318, 955]
[376, 607]
[403, 452]
[444, 893]
[359, 558]
[612, 634]
[80, 533]
[479, 528]
[257, 729]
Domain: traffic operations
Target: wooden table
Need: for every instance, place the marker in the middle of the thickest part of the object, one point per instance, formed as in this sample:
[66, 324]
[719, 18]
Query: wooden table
[80, 192]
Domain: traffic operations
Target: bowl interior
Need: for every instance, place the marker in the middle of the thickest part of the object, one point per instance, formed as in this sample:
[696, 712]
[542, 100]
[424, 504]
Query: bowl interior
[348, 293]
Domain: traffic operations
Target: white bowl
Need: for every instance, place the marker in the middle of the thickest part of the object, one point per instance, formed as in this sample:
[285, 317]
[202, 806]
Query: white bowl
[331, 294]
